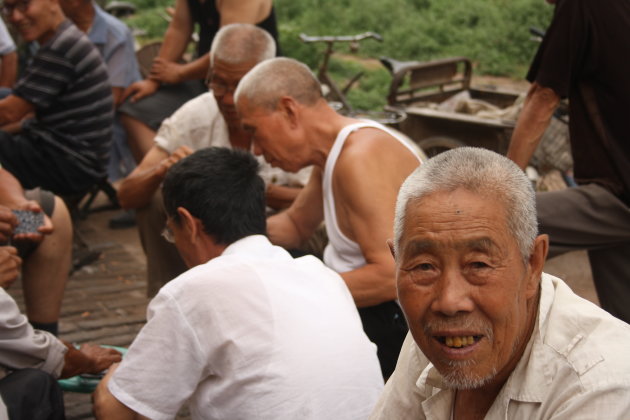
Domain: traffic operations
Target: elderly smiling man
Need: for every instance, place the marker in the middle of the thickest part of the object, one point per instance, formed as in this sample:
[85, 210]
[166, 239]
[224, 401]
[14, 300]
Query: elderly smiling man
[491, 335]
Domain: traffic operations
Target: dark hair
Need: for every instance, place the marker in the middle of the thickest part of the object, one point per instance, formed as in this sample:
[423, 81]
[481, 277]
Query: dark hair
[220, 187]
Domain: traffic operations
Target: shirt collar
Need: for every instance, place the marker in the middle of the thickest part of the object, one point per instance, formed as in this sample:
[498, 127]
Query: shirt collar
[98, 31]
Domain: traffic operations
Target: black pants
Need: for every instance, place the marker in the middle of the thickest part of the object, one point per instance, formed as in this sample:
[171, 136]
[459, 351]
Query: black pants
[31, 394]
[385, 326]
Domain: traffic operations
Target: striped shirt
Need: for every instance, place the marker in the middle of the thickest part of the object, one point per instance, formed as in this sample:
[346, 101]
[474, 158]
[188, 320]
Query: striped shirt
[67, 82]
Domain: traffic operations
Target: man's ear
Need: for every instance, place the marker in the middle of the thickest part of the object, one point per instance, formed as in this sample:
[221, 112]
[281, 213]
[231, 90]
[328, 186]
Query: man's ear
[536, 263]
[390, 244]
[290, 110]
[189, 223]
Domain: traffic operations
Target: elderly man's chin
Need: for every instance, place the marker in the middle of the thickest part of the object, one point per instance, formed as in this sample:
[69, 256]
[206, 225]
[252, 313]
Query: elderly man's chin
[461, 375]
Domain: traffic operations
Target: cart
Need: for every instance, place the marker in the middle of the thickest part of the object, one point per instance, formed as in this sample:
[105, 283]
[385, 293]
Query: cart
[415, 85]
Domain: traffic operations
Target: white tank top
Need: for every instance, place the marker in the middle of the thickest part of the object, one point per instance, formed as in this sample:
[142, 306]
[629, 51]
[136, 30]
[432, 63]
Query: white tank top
[342, 254]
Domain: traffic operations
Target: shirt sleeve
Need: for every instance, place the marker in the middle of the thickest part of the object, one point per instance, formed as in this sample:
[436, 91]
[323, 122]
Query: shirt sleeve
[164, 364]
[560, 60]
[122, 64]
[23, 347]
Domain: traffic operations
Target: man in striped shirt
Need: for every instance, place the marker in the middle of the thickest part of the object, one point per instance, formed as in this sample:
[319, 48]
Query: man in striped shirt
[64, 146]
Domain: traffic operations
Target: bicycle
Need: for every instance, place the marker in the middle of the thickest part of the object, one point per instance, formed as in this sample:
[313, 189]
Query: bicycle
[335, 95]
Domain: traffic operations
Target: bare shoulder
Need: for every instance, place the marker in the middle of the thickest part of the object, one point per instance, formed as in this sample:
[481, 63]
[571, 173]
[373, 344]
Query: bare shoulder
[371, 152]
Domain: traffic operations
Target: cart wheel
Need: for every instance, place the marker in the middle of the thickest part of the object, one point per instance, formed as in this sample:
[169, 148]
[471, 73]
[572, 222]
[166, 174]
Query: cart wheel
[436, 145]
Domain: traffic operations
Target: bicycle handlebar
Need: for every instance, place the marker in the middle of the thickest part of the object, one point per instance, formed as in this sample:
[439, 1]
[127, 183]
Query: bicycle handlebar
[342, 38]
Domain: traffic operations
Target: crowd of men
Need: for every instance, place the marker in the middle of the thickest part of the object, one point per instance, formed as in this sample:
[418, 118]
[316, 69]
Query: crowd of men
[430, 299]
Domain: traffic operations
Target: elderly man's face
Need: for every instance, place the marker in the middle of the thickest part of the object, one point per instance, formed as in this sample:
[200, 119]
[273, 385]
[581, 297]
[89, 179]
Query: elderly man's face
[273, 135]
[35, 20]
[223, 83]
[465, 291]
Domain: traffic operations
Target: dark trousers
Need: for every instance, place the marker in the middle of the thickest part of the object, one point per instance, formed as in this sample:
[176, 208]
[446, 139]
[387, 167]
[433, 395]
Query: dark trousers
[386, 327]
[590, 217]
[31, 394]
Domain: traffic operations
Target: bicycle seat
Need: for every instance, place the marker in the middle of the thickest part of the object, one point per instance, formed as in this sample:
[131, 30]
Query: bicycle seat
[394, 66]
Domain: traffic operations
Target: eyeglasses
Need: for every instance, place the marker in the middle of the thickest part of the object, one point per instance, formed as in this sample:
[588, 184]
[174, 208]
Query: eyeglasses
[20, 5]
[220, 88]
[168, 235]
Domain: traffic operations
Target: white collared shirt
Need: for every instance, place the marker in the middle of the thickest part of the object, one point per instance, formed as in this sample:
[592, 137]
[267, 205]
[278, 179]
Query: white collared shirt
[575, 366]
[252, 334]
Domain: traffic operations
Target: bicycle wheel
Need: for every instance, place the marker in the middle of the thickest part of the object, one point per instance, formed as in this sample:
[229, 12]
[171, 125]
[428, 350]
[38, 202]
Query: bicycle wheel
[435, 145]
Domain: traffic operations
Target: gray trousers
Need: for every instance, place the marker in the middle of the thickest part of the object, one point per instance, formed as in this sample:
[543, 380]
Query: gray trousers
[163, 260]
[590, 217]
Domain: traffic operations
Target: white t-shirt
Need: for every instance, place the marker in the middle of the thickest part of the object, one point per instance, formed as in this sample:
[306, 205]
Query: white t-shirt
[199, 123]
[252, 334]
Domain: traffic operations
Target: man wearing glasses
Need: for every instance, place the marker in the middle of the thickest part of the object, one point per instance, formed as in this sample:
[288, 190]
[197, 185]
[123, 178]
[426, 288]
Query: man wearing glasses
[65, 147]
[207, 120]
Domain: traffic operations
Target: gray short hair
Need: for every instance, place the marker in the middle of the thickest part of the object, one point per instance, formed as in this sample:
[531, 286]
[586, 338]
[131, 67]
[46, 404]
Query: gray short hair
[479, 171]
[238, 43]
[270, 80]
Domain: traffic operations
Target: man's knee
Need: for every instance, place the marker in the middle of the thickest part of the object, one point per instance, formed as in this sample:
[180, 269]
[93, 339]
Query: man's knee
[32, 394]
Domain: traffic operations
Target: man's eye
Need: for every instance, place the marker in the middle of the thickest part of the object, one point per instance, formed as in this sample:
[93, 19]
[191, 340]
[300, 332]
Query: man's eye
[479, 265]
[424, 267]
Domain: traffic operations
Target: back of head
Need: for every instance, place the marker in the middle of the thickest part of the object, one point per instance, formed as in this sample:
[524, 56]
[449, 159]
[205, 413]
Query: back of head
[484, 173]
[239, 43]
[270, 80]
[220, 187]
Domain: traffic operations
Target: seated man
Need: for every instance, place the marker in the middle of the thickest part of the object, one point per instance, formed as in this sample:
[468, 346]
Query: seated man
[115, 42]
[248, 332]
[492, 336]
[208, 120]
[171, 83]
[358, 168]
[31, 359]
[64, 148]
[46, 254]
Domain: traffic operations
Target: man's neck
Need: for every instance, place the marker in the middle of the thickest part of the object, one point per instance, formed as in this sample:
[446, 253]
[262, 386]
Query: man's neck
[84, 18]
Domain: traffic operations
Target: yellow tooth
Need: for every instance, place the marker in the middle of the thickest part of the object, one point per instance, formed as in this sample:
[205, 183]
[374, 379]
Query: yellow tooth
[449, 341]
[457, 341]
[471, 340]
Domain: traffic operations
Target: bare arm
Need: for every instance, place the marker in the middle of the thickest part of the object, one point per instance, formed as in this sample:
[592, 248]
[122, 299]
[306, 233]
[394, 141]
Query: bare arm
[539, 106]
[136, 190]
[295, 225]
[280, 196]
[8, 69]
[231, 11]
[106, 406]
[173, 46]
[13, 109]
[365, 191]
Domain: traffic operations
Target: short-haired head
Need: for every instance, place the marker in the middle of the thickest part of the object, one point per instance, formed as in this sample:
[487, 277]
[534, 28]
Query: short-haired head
[270, 80]
[479, 171]
[239, 43]
[221, 187]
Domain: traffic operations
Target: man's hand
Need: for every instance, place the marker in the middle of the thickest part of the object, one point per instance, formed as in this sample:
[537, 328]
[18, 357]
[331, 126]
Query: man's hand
[45, 229]
[89, 358]
[140, 89]
[179, 153]
[10, 264]
[167, 71]
[101, 357]
[8, 222]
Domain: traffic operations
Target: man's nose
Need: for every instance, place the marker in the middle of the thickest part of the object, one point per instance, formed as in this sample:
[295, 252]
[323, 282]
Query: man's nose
[453, 294]
[228, 97]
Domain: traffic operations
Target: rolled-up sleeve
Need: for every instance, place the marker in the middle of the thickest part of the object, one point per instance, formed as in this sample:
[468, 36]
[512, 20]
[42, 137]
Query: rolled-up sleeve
[21, 346]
